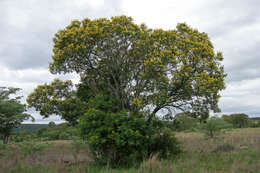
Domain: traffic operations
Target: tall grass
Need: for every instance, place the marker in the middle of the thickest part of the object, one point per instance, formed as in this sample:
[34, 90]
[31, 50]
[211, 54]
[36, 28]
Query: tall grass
[235, 151]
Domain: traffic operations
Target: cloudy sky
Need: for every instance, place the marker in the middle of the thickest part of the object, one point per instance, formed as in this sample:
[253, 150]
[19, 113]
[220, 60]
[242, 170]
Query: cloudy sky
[28, 26]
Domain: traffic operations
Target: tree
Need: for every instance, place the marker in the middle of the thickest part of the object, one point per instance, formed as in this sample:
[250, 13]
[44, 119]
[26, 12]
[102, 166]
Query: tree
[12, 112]
[183, 121]
[140, 68]
[51, 124]
[57, 98]
[130, 70]
[213, 126]
[239, 120]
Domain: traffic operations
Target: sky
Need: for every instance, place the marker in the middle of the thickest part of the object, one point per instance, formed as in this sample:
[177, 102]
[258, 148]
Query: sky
[27, 28]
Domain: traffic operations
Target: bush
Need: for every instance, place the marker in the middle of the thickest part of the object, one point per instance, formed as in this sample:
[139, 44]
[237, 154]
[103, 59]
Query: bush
[25, 135]
[52, 134]
[58, 132]
[213, 126]
[120, 138]
[64, 136]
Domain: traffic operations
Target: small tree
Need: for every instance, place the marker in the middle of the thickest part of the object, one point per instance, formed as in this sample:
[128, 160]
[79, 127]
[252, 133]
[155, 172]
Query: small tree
[213, 126]
[183, 121]
[51, 124]
[12, 112]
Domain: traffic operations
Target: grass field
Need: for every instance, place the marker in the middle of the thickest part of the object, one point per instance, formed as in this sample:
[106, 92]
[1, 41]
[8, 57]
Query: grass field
[235, 151]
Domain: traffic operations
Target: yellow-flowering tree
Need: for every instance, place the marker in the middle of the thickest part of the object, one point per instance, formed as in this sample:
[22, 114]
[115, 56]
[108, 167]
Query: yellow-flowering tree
[132, 70]
[140, 67]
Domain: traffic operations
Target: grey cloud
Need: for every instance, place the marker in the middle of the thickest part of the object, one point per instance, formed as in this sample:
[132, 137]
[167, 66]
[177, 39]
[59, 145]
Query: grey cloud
[243, 63]
[29, 26]
[26, 32]
[221, 17]
[241, 96]
[233, 28]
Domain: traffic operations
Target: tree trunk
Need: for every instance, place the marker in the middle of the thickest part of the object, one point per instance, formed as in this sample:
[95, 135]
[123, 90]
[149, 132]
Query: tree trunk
[5, 139]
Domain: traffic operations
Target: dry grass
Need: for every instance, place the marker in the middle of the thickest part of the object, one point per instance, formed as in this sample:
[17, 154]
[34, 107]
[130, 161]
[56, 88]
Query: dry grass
[235, 151]
[58, 154]
[240, 138]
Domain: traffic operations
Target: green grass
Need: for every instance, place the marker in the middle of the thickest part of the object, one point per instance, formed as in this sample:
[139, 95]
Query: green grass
[235, 151]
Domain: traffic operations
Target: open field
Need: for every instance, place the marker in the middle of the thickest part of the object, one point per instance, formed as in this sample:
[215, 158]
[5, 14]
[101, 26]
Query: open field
[235, 151]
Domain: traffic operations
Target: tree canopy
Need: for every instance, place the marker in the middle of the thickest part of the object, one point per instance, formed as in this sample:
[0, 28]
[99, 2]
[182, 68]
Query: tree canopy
[238, 120]
[136, 68]
[12, 112]
[57, 98]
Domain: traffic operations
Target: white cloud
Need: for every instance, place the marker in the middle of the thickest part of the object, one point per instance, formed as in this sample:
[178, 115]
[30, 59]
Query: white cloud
[164, 13]
[94, 3]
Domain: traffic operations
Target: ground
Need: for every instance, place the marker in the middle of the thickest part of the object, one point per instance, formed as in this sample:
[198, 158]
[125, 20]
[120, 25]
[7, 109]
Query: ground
[234, 151]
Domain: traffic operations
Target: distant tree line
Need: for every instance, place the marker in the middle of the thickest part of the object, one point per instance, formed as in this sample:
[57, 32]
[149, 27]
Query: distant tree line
[185, 122]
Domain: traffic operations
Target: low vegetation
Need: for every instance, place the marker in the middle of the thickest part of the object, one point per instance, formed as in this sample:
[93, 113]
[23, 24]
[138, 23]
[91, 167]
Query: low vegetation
[236, 150]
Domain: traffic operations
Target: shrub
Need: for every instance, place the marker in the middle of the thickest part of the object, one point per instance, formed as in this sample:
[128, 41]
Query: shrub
[52, 134]
[120, 138]
[41, 131]
[213, 126]
[64, 136]
[58, 132]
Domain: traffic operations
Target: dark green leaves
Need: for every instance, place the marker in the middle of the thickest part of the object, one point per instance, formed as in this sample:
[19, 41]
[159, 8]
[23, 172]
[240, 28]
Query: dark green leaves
[12, 112]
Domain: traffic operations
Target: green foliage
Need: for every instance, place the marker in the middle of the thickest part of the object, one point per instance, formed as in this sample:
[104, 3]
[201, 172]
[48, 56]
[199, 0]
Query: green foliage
[136, 66]
[57, 98]
[40, 132]
[120, 138]
[59, 132]
[12, 112]
[237, 120]
[184, 122]
[213, 126]
[254, 123]
[25, 135]
[51, 124]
